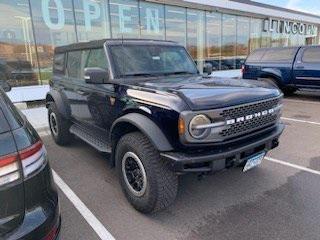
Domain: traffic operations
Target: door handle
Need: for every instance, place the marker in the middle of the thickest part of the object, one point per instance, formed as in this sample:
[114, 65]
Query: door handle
[81, 92]
[299, 67]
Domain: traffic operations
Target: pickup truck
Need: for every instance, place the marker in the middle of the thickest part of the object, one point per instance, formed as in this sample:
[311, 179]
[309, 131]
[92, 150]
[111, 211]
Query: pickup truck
[289, 68]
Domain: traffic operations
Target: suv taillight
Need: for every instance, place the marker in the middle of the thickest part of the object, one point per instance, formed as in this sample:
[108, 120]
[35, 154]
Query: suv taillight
[9, 169]
[32, 159]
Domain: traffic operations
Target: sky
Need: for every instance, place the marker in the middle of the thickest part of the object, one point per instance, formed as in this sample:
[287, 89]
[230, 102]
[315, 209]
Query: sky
[309, 6]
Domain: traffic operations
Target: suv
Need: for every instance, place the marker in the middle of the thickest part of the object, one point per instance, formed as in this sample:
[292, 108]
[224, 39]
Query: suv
[145, 102]
[29, 206]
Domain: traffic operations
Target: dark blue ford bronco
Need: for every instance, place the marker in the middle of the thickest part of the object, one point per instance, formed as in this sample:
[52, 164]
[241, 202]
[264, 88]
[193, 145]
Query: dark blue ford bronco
[289, 68]
[145, 102]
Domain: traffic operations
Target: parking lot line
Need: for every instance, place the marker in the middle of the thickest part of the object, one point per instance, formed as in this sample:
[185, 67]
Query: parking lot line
[96, 225]
[301, 121]
[293, 165]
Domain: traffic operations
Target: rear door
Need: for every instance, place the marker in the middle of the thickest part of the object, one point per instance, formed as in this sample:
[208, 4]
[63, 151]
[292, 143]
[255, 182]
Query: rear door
[11, 185]
[77, 97]
[307, 67]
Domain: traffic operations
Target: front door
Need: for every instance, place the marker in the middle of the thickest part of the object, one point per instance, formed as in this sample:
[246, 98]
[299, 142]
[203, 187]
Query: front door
[307, 67]
[94, 100]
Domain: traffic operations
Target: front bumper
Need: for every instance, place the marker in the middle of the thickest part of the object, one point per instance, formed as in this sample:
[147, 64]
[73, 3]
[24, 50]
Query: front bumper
[218, 159]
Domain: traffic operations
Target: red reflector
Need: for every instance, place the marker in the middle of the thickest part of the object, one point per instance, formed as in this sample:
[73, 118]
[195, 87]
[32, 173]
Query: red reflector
[6, 160]
[25, 153]
[242, 68]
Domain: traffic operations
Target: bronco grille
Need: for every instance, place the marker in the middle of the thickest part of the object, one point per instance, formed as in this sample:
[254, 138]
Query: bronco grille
[249, 109]
[248, 125]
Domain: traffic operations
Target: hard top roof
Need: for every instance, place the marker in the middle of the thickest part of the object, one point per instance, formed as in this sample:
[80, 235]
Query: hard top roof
[100, 43]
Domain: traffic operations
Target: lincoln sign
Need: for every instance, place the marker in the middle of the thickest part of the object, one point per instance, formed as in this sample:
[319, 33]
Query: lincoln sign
[289, 27]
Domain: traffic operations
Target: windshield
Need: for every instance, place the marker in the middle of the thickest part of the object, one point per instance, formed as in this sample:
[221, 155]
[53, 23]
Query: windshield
[151, 60]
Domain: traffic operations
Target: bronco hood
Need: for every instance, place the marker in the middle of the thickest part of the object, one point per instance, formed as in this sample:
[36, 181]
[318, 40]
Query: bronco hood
[209, 93]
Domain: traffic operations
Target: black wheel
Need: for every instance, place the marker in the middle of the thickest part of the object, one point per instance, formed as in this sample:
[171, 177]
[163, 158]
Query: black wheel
[59, 126]
[289, 91]
[145, 178]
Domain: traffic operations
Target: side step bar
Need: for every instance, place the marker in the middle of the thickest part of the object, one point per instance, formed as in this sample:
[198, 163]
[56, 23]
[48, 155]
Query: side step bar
[94, 137]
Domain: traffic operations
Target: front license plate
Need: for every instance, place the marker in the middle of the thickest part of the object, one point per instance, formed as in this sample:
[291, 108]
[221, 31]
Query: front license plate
[254, 161]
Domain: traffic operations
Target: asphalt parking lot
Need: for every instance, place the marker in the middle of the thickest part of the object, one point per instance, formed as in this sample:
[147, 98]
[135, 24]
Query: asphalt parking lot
[278, 200]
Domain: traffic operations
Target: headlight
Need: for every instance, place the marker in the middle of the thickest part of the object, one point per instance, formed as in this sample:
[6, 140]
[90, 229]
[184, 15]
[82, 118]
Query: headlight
[195, 127]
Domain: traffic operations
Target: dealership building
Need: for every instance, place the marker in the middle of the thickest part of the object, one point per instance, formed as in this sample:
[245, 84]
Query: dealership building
[222, 32]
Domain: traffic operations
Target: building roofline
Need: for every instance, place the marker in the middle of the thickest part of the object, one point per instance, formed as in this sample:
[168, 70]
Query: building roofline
[245, 8]
[264, 5]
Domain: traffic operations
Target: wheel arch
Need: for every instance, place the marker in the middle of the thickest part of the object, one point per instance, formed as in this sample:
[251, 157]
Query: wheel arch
[60, 101]
[138, 122]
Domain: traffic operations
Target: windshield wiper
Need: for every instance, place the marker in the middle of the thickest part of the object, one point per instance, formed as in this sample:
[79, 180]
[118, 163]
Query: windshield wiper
[139, 75]
[179, 72]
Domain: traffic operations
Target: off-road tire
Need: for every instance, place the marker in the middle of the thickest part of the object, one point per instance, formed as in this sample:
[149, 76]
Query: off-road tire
[161, 184]
[62, 135]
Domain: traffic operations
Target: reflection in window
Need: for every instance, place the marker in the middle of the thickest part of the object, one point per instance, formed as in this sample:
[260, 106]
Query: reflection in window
[228, 49]
[176, 24]
[124, 18]
[53, 26]
[196, 36]
[18, 62]
[213, 48]
[92, 19]
[243, 31]
[73, 64]
[255, 34]
[311, 55]
[152, 20]
[97, 58]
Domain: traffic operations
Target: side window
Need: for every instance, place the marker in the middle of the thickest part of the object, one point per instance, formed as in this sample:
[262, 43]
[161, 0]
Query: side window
[58, 63]
[311, 55]
[97, 58]
[74, 64]
[4, 126]
[279, 55]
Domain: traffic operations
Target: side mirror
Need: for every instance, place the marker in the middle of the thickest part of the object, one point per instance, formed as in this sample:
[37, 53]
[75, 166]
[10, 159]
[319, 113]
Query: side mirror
[96, 75]
[5, 86]
[207, 68]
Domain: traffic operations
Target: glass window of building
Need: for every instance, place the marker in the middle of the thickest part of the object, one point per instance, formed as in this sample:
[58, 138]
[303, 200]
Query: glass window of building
[229, 39]
[124, 18]
[255, 33]
[152, 20]
[213, 48]
[196, 36]
[18, 62]
[176, 24]
[92, 19]
[243, 36]
[53, 26]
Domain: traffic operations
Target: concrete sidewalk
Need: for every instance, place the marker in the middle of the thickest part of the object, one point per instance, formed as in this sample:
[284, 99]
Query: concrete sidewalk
[38, 118]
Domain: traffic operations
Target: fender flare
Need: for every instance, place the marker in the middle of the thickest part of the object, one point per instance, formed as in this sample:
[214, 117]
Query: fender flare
[60, 101]
[273, 73]
[147, 127]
